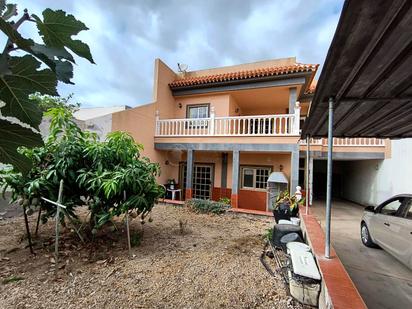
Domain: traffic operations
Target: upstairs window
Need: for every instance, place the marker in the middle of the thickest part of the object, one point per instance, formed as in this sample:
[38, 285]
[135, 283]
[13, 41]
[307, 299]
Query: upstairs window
[197, 111]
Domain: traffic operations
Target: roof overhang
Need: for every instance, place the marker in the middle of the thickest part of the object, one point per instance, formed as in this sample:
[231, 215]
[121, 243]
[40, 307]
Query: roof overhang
[243, 84]
[260, 77]
[368, 73]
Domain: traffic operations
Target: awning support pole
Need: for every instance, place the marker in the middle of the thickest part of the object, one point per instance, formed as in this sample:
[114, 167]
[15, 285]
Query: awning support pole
[307, 173]
[329, 179]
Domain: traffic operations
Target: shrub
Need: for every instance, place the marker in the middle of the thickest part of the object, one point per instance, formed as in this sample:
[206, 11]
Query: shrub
[268, 234]
[110, 175]
[207, 206]
[224, 200]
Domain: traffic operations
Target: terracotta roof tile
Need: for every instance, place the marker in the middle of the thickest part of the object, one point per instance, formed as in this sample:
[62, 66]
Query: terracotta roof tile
[247, 74]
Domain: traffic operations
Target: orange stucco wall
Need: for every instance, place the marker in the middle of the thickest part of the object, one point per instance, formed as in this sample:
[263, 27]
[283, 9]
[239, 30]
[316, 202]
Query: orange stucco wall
[247, 198]
[254, 200]
[220, 102]
[162, 96]
[273, 160]
[140, 121]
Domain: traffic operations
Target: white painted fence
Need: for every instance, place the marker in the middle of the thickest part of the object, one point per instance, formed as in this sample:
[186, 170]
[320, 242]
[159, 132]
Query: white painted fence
[348, 142]
[256, 125]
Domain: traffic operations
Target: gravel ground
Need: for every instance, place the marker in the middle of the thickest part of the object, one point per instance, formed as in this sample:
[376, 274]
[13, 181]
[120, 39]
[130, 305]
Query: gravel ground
[184, 260]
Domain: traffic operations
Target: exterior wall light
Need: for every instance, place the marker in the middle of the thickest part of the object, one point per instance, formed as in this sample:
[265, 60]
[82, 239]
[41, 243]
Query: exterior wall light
[180, 105]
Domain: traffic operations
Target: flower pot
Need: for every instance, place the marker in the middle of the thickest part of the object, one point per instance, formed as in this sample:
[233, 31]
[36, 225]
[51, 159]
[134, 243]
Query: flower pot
[294, 212]
[282, 212]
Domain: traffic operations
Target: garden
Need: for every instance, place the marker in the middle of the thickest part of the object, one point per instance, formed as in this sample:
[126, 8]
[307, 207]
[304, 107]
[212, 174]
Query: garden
[181, 258]
[199, 254]
[82, 223]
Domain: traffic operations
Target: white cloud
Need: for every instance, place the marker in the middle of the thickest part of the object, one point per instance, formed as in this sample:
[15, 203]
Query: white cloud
[126, 36]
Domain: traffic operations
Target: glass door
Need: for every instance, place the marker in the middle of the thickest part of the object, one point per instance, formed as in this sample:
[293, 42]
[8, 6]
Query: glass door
[202, 183]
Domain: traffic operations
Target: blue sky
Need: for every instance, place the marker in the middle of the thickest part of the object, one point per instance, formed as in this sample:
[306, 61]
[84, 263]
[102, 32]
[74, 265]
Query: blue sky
[126, 36]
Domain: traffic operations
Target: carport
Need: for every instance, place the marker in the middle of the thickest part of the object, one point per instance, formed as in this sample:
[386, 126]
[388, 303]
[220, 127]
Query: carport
[365, 88]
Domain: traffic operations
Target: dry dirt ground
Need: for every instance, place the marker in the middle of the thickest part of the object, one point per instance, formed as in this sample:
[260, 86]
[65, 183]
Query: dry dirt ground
[184, 260]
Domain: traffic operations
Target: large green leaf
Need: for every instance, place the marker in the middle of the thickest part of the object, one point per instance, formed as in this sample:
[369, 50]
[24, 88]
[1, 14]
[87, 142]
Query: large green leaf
[13, 136]
[63, 69]
[51, 56]
[26, 79]
[4, 65]
[57, 30]
[10, 10]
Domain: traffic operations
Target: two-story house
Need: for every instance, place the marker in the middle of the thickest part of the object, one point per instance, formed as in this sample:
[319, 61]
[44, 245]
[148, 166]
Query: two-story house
[221, 132]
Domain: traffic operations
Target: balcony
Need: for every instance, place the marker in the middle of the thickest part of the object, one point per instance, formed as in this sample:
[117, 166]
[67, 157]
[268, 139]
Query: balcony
[256, 125]
[347, 142]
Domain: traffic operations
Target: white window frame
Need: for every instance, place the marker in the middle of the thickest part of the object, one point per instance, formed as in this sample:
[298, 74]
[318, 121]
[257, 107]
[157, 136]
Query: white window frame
[203, 124]
[254, 168]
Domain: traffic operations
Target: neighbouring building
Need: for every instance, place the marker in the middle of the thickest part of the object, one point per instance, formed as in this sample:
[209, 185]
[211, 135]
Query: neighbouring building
[221, 132]
[97, 119]
[94, 119]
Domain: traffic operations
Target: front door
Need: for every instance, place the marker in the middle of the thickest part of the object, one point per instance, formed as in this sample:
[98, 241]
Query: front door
[202, 183]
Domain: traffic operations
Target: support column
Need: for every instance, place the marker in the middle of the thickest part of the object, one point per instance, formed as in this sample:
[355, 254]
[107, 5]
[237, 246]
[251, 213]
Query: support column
[189, 174]
[235, 179]
[294, 170]
[329, 179]
[310, 181]
[293, 96]
[223, 176]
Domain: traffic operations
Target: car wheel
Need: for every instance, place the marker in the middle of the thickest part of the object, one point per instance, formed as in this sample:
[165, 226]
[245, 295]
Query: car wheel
[366, 237]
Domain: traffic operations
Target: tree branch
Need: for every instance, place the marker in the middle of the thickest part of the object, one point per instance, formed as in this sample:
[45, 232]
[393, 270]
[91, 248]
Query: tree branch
[9, 44]
[22, 19]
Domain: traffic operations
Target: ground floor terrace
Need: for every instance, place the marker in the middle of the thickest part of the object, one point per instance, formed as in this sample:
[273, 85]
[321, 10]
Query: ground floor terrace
[239, 172]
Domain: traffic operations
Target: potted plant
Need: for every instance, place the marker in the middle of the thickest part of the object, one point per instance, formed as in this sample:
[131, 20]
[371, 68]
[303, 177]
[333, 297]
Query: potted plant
[286, 206]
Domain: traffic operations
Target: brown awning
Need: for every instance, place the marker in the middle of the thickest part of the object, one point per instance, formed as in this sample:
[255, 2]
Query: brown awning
[368, 70]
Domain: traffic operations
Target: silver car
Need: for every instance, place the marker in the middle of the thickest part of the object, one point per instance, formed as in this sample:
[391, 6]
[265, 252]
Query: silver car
[389, 226]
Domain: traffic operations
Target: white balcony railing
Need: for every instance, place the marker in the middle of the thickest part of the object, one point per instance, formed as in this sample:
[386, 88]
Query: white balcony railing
[347, 142]
[259, 125]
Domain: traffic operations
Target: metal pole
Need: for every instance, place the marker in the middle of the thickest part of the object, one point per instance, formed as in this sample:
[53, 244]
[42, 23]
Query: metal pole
[38, 221]
[26, 221]
[129, 246]
[56, 244]
[307, 174]
[329, 179]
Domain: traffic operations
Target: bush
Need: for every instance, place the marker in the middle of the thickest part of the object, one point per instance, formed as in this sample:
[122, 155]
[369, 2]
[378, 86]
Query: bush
[109, 176]
[207, 206]
[224, 200]
[268, 234]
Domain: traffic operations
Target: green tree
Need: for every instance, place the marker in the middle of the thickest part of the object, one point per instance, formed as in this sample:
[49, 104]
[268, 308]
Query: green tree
[47, 102]
[110, 176]
[21, 76]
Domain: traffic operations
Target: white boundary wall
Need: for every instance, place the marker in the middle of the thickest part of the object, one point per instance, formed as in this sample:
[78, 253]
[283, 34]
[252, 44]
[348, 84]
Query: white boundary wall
[370, 182]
